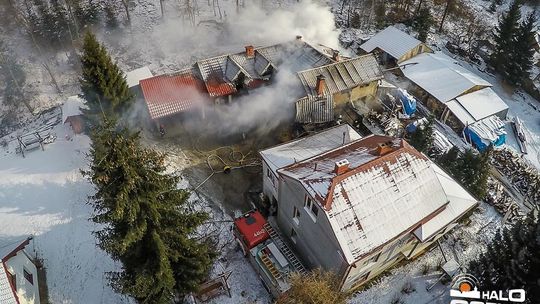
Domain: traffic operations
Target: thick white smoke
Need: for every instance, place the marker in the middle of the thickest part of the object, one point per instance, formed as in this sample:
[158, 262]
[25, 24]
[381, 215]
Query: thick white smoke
[175, 45]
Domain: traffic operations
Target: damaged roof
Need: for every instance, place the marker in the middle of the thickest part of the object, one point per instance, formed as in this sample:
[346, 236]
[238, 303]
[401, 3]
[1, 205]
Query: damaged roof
[170, 94]
[315, 109]
[342, 75]
[389, 188]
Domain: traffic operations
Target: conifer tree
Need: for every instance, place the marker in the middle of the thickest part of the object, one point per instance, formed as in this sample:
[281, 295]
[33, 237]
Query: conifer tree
[422, 138]
[102, 83]
[512, 261]
[148, 225]
[422, 23]
[504, 37]
[521, 57]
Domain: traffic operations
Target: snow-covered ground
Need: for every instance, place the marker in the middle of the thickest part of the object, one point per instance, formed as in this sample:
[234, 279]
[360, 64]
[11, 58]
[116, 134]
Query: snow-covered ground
[45, 195]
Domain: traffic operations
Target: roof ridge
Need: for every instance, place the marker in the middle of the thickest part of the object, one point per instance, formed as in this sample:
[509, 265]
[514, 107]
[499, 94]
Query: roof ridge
[335, 63]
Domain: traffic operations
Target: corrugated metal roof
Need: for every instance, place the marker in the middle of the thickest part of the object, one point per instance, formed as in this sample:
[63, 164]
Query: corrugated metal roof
[482, 103]
[167, 95]
[342, 75]
[315, 109]
[306, 147]
[392, 41]
[461, 114]
[441, 76]
[378, 198]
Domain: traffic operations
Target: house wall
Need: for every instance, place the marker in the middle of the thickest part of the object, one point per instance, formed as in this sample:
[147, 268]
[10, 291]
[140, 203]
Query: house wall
[354, 94]
[405, 247]
[419, 49]
[27, 292]
[315, 242]
[270, 182]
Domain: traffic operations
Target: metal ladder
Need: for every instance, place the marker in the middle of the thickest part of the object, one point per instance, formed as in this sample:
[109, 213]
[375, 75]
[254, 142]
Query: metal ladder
[276, 237]
[270, 266]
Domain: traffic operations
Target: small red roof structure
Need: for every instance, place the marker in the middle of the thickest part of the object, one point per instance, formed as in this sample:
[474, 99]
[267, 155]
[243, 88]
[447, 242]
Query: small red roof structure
[170, 94]
[251, 227]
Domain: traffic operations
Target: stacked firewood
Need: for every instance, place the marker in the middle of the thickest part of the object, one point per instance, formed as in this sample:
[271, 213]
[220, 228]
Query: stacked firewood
[523, 176]
[502, 201]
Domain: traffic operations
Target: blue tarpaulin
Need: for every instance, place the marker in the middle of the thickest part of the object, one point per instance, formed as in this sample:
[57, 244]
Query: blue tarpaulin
[408, 102]
[489, 131]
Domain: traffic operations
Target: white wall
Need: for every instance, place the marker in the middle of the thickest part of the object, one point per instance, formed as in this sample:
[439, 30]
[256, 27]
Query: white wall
[270, 182]
[27, 293]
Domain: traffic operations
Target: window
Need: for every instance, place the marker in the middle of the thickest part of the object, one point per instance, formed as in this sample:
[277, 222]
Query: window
[311, 208]
[293, 235]
[28, 276]
[296, 215]
[270, 175]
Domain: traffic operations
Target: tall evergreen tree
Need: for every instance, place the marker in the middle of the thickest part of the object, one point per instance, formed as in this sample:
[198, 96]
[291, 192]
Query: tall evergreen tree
[504, 37]
[521, 57]
[102, 82]
[422, 23]
[512, 261]
[148, 225]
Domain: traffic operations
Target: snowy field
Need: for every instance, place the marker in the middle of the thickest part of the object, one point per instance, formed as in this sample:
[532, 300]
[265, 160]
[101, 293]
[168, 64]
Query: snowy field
[45, 195]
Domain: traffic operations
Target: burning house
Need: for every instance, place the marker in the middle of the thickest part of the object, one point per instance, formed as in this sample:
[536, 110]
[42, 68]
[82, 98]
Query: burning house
[220, 79]
[357, 206]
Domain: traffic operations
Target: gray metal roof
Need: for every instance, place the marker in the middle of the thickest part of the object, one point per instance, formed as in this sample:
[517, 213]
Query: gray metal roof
[392, 41]
[315, 109]
[343, 75]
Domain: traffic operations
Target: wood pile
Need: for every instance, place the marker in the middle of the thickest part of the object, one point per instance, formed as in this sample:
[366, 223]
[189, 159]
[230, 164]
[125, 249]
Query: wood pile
[523, 176]
[502, 201]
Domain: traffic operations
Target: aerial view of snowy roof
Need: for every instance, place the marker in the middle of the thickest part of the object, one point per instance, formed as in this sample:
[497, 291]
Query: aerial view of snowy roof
[269, 152]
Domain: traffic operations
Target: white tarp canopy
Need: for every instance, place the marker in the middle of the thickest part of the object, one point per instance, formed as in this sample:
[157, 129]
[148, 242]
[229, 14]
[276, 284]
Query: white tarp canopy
[482, 103]
[133, 77]
[393, 41]
[441, 76]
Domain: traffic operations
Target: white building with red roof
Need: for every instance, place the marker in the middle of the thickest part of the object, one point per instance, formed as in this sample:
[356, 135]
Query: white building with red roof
[364, 205]
[18, 274]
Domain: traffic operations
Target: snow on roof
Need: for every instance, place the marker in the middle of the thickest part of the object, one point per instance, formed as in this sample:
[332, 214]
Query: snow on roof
[7, 294]
[342, 75]
[166, 95]
[441, 76]
[460, 112]
[303, 148]
[381, 196]
[72, 107]
[392, 41]
[133, 77]
[489, 128]
[482, 103]
[460, 202]
[315, 109]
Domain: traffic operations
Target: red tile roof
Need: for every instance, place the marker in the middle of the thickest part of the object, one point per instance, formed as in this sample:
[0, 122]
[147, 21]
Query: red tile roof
[218, 87]
[167, 95]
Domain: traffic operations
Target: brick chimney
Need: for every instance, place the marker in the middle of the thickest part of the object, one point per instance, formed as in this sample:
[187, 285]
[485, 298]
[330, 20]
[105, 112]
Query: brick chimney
[250, 51]
[299, 37]
[321, 85]
[384, 148]
[335, 55]
[341, 167]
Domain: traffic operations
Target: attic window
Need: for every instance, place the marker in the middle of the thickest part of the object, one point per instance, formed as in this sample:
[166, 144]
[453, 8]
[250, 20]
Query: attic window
[311, 208]
[28, 276]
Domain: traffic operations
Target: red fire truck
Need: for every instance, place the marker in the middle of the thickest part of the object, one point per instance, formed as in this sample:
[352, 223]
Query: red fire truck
[268, 254]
